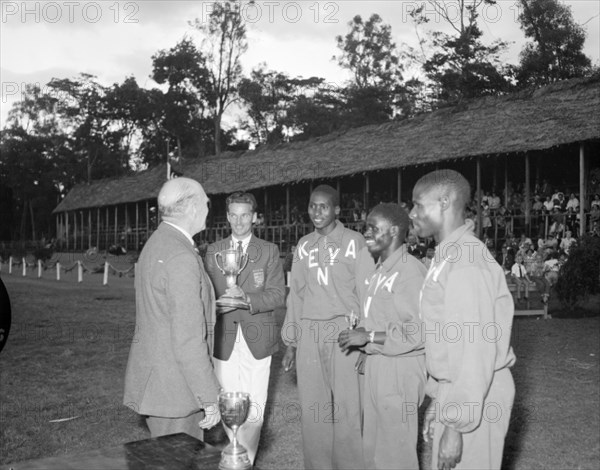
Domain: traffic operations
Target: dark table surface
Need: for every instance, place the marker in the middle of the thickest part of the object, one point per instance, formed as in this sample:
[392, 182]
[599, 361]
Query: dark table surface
[176, 451]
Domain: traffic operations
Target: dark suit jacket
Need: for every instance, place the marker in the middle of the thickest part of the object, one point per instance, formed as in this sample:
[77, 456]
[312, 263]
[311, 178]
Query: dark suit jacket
[262, 279]
[170, 371]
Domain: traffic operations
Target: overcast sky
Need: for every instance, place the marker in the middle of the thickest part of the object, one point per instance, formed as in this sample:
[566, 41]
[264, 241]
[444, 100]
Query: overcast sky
[114, 40]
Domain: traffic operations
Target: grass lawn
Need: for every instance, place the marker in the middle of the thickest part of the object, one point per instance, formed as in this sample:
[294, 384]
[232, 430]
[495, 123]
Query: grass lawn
[68, 346]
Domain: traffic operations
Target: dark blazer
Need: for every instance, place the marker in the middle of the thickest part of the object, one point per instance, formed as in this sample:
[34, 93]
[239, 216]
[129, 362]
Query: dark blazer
[170, 371]
[262, 279]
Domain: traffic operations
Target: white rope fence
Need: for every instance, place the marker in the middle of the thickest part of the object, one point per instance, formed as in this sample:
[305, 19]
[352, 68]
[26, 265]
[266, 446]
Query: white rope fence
[40, 266]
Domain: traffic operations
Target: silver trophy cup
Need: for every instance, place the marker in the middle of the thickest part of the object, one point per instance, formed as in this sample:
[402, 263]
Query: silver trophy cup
[234, 407]
[232, 263]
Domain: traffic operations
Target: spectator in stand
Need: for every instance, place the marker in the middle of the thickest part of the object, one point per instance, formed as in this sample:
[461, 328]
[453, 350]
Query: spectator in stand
[551, 243]
[507, 259]
[558, 222]
[529, 257]
[561, 202]
[549, 204]
[520, 277]
[551, 268]
[594, 214]
[494, 201]
[573, 203]
[538, 205]
[486, 221]
[523, 241]
[414, 247]
[596, 201]
[536, 274]
[572, 220]
[428, 259]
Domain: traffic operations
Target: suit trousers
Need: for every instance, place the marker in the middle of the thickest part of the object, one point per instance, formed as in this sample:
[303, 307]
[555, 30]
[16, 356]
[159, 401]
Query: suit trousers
[243, 373]
[160, 426]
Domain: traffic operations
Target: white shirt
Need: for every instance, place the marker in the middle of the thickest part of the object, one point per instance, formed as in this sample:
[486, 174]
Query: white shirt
[515, 270]
[187, 235]
[245, 242]
[574, 203]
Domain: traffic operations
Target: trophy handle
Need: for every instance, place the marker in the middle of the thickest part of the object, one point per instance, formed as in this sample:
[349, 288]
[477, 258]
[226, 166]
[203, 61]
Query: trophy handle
[220, 266]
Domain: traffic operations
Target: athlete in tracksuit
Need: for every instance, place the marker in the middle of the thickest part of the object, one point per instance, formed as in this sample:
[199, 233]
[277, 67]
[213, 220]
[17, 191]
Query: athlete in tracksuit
[322, 294]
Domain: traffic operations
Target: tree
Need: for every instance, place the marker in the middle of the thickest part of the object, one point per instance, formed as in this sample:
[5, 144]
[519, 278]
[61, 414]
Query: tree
[34, 153]
[224, 43]
[556, 50]
[182, 119]
[83, 115]
[369, 53]
[580, 275]
[462, 67]
[267, 95]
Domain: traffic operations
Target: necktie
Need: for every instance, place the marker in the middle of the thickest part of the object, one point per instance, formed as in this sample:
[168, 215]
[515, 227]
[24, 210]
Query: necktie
[240, 249]
[520, 271]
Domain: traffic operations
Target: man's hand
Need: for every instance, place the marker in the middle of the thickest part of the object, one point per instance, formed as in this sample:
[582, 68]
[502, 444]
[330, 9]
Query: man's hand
[348, 338]
[236, 291]
[450, 451]
[289, 358]
[212, 416]
[429, 421]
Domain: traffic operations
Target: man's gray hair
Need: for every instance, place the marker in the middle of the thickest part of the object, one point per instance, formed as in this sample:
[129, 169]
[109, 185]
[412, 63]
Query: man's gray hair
[176, 195]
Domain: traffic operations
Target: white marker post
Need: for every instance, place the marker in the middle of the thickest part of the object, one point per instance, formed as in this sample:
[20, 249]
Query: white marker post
[105, 279]
[39, 268]
[24, 267]
[10, 265]
[57, 271]
[79, 272]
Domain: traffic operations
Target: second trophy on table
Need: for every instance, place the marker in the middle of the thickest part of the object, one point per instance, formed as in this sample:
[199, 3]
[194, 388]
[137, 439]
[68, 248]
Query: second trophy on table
[234, 408]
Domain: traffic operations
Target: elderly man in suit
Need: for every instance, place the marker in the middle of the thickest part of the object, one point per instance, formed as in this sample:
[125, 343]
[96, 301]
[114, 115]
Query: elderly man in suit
[170, 377]
[245, 339]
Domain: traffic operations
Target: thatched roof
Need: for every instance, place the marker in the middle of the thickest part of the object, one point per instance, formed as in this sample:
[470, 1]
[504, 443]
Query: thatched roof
[560, 114]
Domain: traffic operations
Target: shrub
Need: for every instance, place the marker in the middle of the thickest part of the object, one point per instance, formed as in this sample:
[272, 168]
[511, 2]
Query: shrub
[580, 275]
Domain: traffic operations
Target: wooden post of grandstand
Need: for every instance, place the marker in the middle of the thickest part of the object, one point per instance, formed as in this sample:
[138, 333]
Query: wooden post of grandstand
[479, 220]
[10, 265]
[137, 226]
[287, 204]
[506, 182]
[39, 268]
[265, 209]
[106, 230]
[79, 271]
[366, 193]
[527, 197]
[89, 228]
[74, 230]
[399, 185]
[98, 228]
[57, 271]
[582, 195]
[116, 222]
[67, 230]
[24, 267]
[105, 277]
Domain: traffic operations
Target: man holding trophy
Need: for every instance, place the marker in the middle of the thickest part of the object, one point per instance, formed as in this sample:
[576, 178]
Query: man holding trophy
[248, 279]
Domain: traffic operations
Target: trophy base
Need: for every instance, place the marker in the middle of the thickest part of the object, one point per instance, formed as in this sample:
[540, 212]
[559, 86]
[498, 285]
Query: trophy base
[231, 303]
[234, 459]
